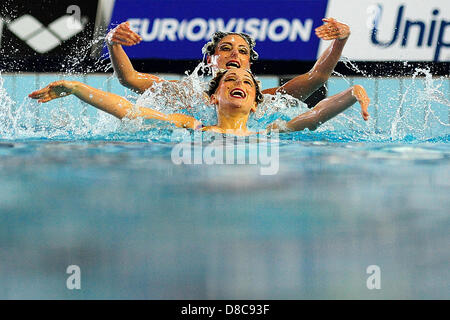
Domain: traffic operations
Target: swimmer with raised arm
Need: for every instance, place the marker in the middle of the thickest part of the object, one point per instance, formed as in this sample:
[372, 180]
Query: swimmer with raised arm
[233, 50]
[234, 92]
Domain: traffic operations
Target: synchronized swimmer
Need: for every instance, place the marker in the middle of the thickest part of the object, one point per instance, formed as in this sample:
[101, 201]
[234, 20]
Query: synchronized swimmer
[234, 90]
[228, 50]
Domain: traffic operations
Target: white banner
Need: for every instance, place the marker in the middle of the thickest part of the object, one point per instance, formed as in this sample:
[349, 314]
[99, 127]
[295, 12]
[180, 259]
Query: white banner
[393, 30]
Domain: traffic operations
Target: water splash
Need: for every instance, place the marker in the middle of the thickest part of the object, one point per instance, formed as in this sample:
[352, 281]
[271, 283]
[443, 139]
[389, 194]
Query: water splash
[7, 123]
[413, 113]
[188, 96]
[350, 65]
[185, 96]
[424, 96]
[416, 100]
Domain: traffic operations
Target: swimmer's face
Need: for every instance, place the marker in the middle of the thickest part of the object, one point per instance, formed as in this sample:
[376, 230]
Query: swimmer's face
[236, 90]
[231, 52]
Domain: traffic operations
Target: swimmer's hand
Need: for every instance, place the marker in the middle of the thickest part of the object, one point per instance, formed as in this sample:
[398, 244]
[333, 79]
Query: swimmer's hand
[54, 90]
[332, 29]
[278, 125]
[273, 126]
[123, 35]
[361, 95]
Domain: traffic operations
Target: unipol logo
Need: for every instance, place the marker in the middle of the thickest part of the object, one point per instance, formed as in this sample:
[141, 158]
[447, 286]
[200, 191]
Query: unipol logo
[411, 32]
[41, 39]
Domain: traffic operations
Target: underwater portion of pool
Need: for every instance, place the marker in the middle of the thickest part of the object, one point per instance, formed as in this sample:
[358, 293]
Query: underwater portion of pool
[141, 227]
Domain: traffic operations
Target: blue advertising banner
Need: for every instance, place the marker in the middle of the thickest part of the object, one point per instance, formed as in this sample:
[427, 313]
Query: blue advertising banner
[283, 29]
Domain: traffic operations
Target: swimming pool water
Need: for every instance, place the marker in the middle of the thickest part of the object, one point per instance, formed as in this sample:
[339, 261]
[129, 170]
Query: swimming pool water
[141, 227]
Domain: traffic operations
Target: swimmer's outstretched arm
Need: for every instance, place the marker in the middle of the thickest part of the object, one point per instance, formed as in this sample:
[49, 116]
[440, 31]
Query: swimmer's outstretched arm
[109, 102]
[302, 86]
[329, 108]
[120, 36]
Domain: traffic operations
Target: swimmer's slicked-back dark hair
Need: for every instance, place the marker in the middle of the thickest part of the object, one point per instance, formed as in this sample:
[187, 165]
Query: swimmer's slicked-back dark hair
[214, 84]
[210, 47]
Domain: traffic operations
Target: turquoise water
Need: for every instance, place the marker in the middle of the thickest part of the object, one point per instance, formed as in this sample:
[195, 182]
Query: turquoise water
[80, 188]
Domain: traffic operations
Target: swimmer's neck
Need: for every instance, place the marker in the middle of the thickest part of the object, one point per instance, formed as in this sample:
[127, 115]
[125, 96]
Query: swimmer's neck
[228, 126]
[235, 123]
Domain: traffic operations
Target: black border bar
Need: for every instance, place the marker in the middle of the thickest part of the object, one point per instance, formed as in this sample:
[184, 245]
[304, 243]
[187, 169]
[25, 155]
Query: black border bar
[263, 67]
